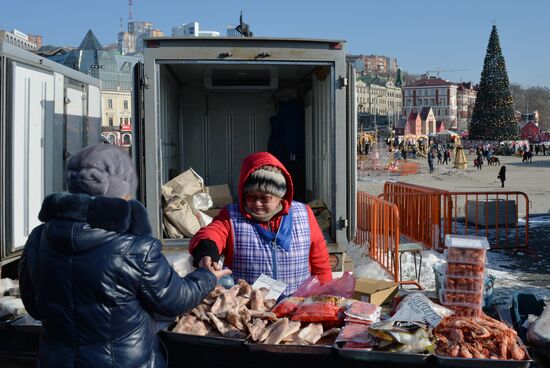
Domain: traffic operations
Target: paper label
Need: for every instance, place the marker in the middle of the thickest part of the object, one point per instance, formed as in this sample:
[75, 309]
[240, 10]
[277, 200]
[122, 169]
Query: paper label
[276, 288]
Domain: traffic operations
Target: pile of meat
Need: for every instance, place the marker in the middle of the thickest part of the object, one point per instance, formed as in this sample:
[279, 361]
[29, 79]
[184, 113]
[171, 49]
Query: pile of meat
[233, 313]
[243, 312]
[477, 337]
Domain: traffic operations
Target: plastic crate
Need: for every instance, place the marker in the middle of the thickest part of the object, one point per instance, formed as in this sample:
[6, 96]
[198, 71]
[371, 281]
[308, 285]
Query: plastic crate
[440, 272]
[466, 255]
[466, 269]
[462, 283]
[461, 297]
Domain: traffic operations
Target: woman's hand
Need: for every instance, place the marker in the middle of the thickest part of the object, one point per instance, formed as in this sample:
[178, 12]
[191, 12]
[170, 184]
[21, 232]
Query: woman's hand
[214, 267]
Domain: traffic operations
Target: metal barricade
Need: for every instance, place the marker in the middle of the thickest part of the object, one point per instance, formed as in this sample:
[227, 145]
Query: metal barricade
[428, 214]
[422, 212]
[495, 215]
[408, 168]
[378, 232]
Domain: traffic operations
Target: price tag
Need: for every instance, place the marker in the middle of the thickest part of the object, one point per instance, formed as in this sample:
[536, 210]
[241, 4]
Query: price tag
[276, 288]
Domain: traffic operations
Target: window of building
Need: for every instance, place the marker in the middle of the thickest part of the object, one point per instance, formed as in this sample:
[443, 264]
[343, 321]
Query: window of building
[110, 121]
[125, 104]
[442, 101]
[110, 103]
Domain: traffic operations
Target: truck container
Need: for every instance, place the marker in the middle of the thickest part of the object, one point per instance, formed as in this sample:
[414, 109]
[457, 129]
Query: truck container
[47, 112]
[206, 103]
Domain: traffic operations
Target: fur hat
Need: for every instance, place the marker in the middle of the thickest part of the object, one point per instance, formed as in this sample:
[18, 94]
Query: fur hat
[267, 179]
[102, 169]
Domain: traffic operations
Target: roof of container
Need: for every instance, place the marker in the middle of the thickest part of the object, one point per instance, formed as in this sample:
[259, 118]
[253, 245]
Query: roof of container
[31, 58]
[242, 39]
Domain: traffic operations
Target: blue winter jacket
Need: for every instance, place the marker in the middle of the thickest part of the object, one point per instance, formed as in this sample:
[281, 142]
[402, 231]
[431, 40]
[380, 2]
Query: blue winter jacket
[94, 276]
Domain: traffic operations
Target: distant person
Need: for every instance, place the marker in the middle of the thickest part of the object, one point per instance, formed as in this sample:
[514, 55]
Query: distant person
[431, 161]
[479, 160]
[446, 156]
[414, 152]
[439, 157]
[537, 150]
[404, 154]
[502, 175]
[543, 150]
[530, 156]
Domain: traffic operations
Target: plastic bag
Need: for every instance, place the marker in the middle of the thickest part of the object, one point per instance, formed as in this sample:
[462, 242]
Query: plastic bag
[287, 307]
[317, 312]
[343, 286]
[308, 287]
[417, 307]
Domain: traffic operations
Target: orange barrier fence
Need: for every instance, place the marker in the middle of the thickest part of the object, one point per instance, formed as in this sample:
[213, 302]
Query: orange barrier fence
[378, 232]
[495, 215]
[408, 168]
[428, 214]
[422, 212]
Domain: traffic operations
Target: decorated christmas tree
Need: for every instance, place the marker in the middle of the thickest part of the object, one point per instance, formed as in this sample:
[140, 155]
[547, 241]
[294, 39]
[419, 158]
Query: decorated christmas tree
[493, 116]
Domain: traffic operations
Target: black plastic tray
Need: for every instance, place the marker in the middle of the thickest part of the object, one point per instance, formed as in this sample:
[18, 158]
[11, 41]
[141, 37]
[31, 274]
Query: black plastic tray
[485, 363]
[383, 357]
[208, 340]
[322, 347]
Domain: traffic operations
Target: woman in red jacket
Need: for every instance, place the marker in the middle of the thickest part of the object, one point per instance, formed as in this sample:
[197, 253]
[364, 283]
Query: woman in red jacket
[266, 232]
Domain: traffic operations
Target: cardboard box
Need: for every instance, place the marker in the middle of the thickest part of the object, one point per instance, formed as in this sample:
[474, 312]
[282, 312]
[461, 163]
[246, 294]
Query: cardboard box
[348, 266]
[221, 195]
[374, 291]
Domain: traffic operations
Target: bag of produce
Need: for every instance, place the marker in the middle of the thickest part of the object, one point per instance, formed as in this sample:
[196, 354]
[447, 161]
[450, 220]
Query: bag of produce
[414, 334]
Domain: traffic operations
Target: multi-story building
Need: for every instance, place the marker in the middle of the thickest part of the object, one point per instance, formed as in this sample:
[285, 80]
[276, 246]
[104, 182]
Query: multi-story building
[36, 39]
[374, 64]
[192, 30]
[126, 43]
[18, 39]
[439, 94]
[115, 72]
[466, 94]
[140, 30]
[379, 102]
[232, 32]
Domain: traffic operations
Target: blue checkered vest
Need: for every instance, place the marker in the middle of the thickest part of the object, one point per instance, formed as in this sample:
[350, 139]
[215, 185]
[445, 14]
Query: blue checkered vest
[253, 256]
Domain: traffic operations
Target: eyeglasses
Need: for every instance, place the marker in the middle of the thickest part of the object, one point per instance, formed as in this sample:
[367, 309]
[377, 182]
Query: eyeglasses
[265, 198]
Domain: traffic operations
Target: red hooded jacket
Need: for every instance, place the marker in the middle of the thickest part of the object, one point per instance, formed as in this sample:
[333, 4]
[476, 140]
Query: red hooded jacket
[220, 231]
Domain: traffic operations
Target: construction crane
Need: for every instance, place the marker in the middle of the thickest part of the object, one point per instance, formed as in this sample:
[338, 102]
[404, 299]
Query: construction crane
[437, 71]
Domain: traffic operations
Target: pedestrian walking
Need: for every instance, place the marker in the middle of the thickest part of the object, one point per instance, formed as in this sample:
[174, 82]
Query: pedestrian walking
[446, 156]
[431, 161]
[404, 154]
[439, 157]
[479, 160]
[502, 175]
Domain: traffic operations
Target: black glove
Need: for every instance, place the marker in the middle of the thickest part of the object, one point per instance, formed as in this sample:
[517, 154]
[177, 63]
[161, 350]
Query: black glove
[206, 247]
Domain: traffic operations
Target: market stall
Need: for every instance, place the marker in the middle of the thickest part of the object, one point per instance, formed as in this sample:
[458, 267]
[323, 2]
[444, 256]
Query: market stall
[347, 322]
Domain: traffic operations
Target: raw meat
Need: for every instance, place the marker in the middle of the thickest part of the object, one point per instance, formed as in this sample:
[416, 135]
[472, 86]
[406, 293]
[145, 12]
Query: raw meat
[311, 333]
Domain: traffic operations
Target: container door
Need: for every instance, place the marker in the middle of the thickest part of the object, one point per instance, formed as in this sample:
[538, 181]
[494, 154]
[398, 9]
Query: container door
[75, 119]
[352, 153]
[30, 112]
[138, 128]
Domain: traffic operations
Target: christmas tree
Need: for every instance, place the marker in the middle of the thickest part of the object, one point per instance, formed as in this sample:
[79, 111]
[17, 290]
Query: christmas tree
[493, 116]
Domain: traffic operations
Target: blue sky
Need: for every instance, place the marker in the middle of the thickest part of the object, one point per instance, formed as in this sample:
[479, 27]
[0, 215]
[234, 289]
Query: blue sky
[423, 34]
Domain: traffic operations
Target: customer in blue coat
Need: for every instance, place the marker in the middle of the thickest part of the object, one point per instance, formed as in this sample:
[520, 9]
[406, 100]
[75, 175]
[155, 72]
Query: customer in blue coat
[94, 275]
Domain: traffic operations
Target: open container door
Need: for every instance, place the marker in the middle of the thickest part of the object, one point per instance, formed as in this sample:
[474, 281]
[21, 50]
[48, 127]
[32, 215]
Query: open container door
[138, 129]
[29, 112]
[352, 153]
